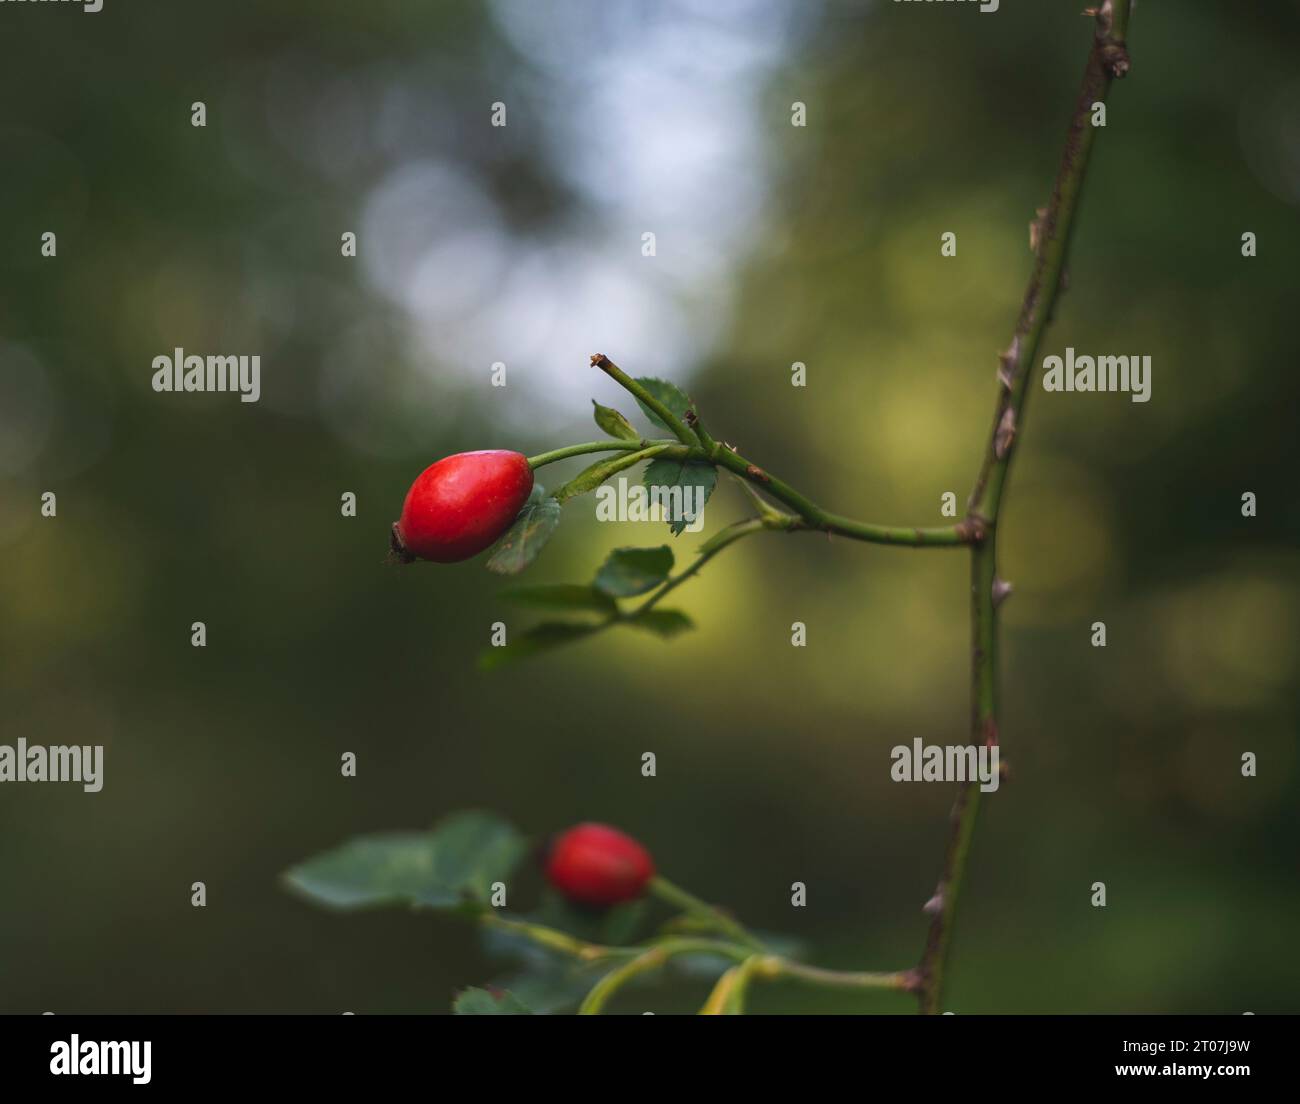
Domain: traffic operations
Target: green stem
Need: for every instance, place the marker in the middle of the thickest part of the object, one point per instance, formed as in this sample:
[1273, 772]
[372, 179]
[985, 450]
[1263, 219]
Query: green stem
[1107, 59]
[671, 420]
[708, 550]
[643, 959]
[609, 444]
[592, 477]
[965, 812]
[811, 517]
[697, 427]
[728, 996]
[773, 967]
[553, 939]
[702, 911]
[650, 959]
[815, 518]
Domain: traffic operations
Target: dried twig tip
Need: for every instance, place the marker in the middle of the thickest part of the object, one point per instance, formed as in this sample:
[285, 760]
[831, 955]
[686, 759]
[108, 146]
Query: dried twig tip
[397, 553]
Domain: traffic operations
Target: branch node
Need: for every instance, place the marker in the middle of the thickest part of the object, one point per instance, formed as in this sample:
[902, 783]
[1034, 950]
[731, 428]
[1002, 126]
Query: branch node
[913, 981]
[1114, 56]
[972, 529]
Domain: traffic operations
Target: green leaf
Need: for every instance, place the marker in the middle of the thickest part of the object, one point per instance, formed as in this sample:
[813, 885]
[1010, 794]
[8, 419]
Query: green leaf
[667, 393]
[613, 423]
[564, 596]
[662, 622]
[484, 1002]
[531, 529]
[531, 642]
[694, 482]
[592, 477]
[454, 863]
[630, 571]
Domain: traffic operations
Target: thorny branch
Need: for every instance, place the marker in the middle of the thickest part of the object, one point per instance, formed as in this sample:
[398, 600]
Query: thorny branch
[1050, 234]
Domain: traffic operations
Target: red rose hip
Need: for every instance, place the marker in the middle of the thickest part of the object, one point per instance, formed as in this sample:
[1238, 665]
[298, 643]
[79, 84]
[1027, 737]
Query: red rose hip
[595, 864]
[460, 505]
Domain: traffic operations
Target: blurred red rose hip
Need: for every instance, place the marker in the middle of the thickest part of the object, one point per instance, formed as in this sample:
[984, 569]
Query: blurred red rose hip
[595, 864]
[460, 505]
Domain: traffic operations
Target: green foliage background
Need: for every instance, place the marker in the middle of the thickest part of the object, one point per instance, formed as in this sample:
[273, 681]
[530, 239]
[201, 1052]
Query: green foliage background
[222, 764]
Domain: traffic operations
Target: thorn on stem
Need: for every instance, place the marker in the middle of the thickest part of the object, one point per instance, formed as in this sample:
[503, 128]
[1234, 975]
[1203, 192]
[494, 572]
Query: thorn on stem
[990, 732]
[1001, 591]
[1036, 229]
[1006, 433]
[934, 906]
[755, 472]
[1114, 54]
[1010, 363]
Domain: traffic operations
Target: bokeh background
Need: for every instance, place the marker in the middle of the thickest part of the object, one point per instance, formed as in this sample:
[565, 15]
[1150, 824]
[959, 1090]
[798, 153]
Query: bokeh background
[523, 245]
